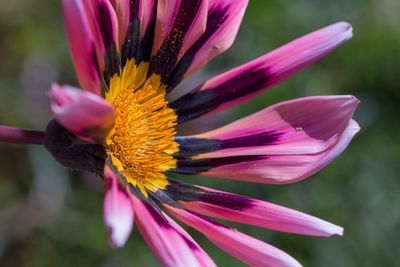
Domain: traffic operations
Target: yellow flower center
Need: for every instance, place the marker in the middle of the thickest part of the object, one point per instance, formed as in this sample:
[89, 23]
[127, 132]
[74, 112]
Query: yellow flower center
[141, 143]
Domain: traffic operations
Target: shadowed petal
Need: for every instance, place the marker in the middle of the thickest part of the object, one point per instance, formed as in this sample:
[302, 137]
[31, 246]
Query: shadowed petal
[227, 206]
[122, 10]
[179, 24]
[118, 210]
[246, 248]
[86, 115]
[223, 21]
[246, 81]
[82, 44]
[169, 242]
[284, 143]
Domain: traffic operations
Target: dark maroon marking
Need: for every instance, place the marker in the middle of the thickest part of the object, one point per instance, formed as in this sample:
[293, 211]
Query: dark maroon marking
[131, 44]
[260, 139]
[190, 243]
[104, 22]
[157, 215]
[193, 146]
[216, 18]
[185, 192]
[189, 146]
[195, 104]
[112, 62]
[165, 59]
[197, 166]
[146, 44]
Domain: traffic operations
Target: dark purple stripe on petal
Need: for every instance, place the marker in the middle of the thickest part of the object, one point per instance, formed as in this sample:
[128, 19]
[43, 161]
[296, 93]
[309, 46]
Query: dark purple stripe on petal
[104, 21]
[113, 63]
[157, 215]
[215, 20]
[261, 139]
[195, 104]
[185, 192]
[131, 44]
[196, 166]
[146, 44]
[191, 146]
[167, 56]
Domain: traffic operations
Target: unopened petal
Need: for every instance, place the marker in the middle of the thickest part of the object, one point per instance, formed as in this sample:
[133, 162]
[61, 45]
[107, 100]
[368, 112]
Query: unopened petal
[86, 115]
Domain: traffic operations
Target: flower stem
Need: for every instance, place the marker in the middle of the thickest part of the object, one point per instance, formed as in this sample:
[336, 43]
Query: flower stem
[21, 136]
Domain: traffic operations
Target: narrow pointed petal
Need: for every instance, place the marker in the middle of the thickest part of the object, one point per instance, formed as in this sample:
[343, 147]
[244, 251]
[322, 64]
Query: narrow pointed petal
[86, 115]
[118, 210]
[179, 24]
[284, 143]
[82, 44]
[139, 33]
[245, 248]
[241, 209]
[104, 23]
[169, 242]
[246, 81]
[223, 21]
[122, 10]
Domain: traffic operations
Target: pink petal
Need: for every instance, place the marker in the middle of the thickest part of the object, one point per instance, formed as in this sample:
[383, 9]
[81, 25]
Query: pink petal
[104, 23]
[228, 206]
[169, 242]
[118, 210]
[82, 45]
[308, 133]
[85, 114]
[245, 248]
[122, 10]
[146, 13]
[246, 81]
[179, 24]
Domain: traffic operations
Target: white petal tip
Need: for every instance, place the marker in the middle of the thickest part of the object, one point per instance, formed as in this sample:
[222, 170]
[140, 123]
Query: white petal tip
[346, 28]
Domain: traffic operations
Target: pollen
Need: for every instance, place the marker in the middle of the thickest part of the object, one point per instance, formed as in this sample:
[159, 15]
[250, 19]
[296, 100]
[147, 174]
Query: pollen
[141, 143]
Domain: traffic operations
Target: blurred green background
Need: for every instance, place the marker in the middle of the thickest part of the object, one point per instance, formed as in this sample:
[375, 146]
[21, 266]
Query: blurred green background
[51, 217]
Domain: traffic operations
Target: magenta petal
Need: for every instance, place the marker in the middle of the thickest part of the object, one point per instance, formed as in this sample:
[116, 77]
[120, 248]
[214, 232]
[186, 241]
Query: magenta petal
[82, 44]
[246, 81]
[245, 248]
[224, 18]
[122, 10]
[86, 115]
[146, 13]
[169, 242]
[179, 24]
[241, 209]
[223, 21]
[118, 210]
[283, 143]
[172, 14]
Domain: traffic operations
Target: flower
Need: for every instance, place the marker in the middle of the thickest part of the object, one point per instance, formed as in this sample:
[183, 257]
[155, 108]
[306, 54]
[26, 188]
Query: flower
[129, 55]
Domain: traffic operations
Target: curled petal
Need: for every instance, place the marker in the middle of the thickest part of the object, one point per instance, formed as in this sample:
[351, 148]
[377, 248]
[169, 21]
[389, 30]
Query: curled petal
[227, 206]
[284, 143]
[169, 242]
[118, 210]
[245, 248]
[248, 80]
[86, 115]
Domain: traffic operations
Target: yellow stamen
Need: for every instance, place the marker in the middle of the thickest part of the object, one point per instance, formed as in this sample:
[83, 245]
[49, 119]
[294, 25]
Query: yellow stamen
[141, 143]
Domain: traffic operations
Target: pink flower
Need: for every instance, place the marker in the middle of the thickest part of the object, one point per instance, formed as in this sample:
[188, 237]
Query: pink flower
[129, 55]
